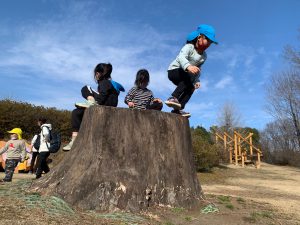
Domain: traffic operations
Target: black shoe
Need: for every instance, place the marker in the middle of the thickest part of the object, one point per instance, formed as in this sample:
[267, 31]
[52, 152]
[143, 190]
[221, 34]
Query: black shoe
[175, 111]
[5, 180]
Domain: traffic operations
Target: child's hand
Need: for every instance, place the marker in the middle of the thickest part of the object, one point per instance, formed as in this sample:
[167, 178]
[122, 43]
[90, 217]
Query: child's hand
[130, 104]
[197, 85]
[157, 100]
[193, 69]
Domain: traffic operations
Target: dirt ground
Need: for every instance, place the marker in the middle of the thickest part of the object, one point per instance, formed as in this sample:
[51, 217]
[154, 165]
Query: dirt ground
[276, 186]
[233, 195]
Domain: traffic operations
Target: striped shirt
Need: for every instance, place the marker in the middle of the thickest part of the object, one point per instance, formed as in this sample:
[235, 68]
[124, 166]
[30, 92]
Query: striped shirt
[141, 98]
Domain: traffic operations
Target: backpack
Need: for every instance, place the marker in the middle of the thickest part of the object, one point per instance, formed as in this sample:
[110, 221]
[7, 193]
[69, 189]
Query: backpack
[37, 142]
[55, 141]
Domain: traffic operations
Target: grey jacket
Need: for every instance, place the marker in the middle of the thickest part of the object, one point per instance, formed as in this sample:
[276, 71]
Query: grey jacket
[187, 56]
[16, 149]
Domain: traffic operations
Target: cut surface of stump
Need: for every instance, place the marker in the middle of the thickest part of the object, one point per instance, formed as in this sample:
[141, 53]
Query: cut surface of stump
[126, 159]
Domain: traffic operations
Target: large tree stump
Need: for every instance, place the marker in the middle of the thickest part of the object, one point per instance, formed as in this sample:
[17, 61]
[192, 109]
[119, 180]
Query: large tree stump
[127, 159]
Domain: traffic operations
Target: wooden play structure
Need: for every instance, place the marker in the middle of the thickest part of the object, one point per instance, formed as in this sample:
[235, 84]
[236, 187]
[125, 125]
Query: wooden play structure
[240, 149]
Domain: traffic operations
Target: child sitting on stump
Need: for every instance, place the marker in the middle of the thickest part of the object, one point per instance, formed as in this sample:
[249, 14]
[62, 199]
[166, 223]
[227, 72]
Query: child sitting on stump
[140, 97]
[108, 92]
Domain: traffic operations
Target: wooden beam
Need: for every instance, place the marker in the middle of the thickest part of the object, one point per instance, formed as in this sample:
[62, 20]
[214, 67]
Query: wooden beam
[247, 142]
[251, 146]
[235, 150]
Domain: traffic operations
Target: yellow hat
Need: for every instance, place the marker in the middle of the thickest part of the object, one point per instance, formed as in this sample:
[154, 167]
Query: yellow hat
[17, 131]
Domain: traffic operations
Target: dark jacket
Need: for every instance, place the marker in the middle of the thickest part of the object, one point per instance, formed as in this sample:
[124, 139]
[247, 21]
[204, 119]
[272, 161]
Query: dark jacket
[108, 95]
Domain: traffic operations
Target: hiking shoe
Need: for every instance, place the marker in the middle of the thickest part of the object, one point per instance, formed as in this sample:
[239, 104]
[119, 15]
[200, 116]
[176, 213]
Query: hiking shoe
[68, 146]
[86, 104]
[173, 102]
[182, 113]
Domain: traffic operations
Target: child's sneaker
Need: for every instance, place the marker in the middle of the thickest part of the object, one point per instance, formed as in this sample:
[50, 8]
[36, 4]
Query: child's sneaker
[173, 102]
[86, 104]
[68, 146]
[185, 114]
[182, 113]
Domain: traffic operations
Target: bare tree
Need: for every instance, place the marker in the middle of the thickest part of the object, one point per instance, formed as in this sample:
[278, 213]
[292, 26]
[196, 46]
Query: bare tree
[292, 55]
[229, 117]
[279, 143]
[283, 99]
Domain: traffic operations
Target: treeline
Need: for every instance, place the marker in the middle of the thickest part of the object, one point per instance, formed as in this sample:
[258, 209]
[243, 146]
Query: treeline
[281, 137]
[24, 115]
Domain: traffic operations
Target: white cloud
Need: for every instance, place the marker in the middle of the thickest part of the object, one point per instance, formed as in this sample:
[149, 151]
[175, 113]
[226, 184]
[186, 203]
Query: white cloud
[68, 49]
[204, 85]
[224, 82]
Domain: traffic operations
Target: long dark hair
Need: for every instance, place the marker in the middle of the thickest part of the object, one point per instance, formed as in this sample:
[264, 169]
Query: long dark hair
[104, 69]
[42, 120]
[193, 42]
[142, 76]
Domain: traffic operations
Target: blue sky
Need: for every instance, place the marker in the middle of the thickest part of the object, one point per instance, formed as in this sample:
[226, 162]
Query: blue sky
[49, 49]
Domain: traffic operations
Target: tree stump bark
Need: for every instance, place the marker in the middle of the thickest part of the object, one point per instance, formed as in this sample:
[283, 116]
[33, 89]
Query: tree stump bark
[127, 159]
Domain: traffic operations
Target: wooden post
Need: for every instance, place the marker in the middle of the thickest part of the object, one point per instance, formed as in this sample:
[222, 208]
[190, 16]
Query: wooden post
[243, 160]
[230, 154]
[225, 145]
[239, 146]
[258, 160]
[251, 148]
[235, 149]
[245, 154]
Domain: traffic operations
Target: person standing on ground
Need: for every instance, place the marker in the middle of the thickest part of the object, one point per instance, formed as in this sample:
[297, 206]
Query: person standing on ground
[16, 152]
[185, 70]
[34, 153]
[45, 136]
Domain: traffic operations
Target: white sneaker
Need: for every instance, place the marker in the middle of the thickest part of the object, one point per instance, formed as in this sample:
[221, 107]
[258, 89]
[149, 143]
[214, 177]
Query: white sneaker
[68, 146]
[173, 102]
[86, 104]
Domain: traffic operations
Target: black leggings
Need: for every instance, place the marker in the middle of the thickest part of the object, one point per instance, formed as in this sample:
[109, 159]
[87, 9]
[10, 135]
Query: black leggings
[32, 166]
[42, 164]
[185, 85]
[77, 114]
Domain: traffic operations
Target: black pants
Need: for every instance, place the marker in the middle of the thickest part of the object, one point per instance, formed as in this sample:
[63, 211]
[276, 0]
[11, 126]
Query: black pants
[42, 164]
[32, 166]
[77, 115]
[155, 106]
[10, 166]
[185, 85]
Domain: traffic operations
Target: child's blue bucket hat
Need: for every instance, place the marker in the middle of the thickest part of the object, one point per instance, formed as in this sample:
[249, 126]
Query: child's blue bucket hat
[204, 29]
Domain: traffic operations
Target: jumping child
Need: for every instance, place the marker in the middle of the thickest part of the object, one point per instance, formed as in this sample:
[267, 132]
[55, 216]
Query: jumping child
[185, 70]
[140, 97]
[16, 152]
[108, 92]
